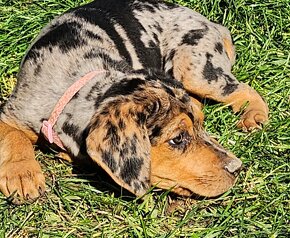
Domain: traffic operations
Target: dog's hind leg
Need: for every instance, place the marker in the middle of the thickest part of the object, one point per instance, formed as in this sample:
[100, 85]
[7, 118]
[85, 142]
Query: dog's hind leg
[20, 174]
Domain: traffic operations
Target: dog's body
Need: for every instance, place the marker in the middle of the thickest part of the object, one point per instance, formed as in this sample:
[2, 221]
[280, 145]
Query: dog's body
[123, 112]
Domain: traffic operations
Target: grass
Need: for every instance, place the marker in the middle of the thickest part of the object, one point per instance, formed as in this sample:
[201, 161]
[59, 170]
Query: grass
[258, 206]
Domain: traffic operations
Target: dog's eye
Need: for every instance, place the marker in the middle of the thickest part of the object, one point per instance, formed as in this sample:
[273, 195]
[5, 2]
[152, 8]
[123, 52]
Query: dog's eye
[177, 140]
[181, 140]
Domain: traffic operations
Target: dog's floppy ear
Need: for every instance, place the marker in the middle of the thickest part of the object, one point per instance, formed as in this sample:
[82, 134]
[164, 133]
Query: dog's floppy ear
[119, 143]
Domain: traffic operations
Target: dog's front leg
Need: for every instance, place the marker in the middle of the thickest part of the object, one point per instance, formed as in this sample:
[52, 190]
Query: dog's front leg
[20, 174]
[208, 75]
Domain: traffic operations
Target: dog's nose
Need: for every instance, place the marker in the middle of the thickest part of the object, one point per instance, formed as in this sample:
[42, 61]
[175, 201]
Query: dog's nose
[234, 166]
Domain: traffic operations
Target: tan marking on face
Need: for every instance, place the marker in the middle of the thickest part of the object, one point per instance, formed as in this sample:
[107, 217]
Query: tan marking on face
[198, 169]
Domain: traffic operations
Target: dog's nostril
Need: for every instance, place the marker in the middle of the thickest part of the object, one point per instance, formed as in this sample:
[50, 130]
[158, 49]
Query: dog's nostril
[234, 166]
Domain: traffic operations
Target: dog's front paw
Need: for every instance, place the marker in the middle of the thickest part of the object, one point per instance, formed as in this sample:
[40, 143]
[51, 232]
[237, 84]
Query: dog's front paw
[253, 119]
[22, 181]
[255, 114]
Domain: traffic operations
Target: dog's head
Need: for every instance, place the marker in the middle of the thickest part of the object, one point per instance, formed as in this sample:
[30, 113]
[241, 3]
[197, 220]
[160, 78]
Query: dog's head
[148, 132]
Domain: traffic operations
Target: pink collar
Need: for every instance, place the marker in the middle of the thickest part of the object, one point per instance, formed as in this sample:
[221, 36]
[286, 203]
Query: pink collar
[47, 125]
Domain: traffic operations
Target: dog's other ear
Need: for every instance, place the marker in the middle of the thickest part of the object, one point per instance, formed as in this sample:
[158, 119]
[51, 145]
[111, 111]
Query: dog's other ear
[119, 143]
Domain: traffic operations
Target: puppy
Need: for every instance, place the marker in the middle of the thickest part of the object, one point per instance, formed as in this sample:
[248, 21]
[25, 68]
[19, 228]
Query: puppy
[110, 81]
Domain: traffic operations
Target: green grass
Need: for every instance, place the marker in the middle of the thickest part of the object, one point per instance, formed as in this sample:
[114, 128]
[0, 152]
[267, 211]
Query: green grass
[258, 206]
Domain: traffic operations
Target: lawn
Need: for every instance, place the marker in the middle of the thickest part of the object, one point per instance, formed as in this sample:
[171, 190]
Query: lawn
[258, 206]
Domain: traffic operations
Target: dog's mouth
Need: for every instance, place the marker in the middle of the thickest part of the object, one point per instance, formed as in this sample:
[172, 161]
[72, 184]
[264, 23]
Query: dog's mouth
[207, 184]
[206, 187]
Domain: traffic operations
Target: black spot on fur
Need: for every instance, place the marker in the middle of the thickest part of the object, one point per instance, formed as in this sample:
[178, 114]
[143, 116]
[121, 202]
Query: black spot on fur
[155, 36]
[107, 60]
[133, 145]
[219, 47]
[69, 115]
[105, 112]
[124, 87]
[169, 72]
[231, 85]
[171, 82]
[158, 27]
[92, 14]
[229, 88]
[93, 36]
[96, 123]
[176, 29]
[155, 132]
[117, 112]
[141, 118]
[112, 135]
[151, 44]
[24, 85]
[93, 93]
[124, 151]
[210, 72]
[145, 183]
[191, 116]
[168, 90]
[108, 159]
[131, 168]
[154, 75]
[106, 14]
[37, 70]
[136, 186]
[121, 124]
[77, 94]
[193, 36]
[32, 54]
[71, 130]
[170, 56]
[144, 7]
[66, 36]
[168, 4]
